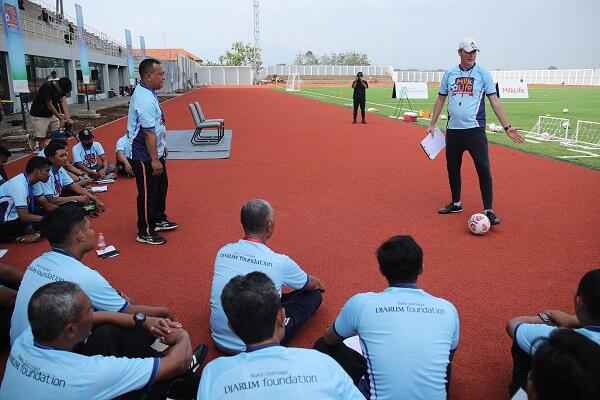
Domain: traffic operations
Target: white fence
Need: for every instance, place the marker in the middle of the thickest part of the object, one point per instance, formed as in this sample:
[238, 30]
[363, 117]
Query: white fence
[225, 75]
[306, 70]
[536, 76]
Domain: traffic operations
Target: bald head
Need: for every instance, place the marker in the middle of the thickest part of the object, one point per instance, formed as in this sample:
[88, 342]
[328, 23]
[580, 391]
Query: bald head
[256, 215]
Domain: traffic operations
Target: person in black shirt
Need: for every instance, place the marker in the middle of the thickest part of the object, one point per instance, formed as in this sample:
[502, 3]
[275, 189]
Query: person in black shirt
[44, 114]
[360, 87]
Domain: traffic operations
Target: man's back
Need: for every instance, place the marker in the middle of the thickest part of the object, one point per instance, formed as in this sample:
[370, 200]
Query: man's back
[38, 372]
[46, 92]
[241, 258]
[276, 372]
[406, 335]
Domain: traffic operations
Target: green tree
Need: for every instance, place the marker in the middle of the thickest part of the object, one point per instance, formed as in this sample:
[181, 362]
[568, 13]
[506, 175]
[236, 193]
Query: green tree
[345, 58]
[240, 54]
[307, 58]
[552, 67]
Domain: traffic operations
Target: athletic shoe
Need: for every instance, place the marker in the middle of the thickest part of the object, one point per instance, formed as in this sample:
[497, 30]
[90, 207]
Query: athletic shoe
[354, 121]
[165, 225]
[450, 208]
[151, 239]
[363, 121]
[492, 217]
[198, 355]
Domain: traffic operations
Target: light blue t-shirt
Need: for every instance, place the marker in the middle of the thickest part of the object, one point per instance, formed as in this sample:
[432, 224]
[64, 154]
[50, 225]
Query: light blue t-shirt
[406, 336]
[38, 372]
[58, 265]
[275, 372]
[526, 334]
[241, 258]
[465, 90]
[56, 183]
[17, 193]
[123, 145]
[87, 157]
[145, 114]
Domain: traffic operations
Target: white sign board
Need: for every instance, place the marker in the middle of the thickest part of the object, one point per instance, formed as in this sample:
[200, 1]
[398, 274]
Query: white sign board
[414, 90]
[513, 90]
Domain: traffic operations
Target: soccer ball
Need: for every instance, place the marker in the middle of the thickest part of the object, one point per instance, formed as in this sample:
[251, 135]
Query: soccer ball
[443, 117]
[565, 110]
[565, 124]
[479, 224]
[545, 135]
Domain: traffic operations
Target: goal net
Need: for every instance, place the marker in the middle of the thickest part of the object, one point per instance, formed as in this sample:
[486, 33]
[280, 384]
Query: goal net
[587, 135]
[293, 83]
[550, 129]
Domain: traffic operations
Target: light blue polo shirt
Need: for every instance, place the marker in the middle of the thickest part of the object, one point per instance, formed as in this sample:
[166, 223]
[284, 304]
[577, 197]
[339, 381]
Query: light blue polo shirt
[88, 157]
[241, 258]
[123, 146]
[465, 91]
[38, 372]
[17, 193]
[526, 334]
[406, 336]
[58, 265]
[58, 180]
[275, 372]
[145, 114]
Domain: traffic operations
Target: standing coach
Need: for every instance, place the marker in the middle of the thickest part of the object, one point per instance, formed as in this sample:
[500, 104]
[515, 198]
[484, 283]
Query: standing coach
[359, 97]
[465, 85]
[146, 132]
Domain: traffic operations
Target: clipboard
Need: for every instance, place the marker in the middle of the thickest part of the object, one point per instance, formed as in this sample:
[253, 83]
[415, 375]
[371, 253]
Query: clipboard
[432, 146]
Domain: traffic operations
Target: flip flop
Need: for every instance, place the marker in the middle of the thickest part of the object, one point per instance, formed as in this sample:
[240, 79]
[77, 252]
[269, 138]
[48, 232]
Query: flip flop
[29, 238]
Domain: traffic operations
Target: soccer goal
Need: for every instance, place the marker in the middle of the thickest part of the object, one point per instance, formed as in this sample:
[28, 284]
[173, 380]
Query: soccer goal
[293, 83]
[587, 135]
[550, 129]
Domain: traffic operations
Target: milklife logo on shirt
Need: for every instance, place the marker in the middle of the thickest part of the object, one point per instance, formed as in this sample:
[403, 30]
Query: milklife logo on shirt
[463, 85]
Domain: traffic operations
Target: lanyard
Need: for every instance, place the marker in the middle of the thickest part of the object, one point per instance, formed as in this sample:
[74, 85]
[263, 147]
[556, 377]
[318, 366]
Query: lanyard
[253, 239]
[30, 197]
[57, 183]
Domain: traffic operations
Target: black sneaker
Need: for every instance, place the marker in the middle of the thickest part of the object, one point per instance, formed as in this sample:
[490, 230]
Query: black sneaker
[354, 121]
[165, 225]
[151, 239]
[363, 121]
[198, 355]
[492, 217]
[450, 208]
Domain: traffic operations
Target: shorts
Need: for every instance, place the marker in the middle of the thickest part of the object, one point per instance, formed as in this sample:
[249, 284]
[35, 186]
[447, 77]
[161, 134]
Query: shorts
[42, 126]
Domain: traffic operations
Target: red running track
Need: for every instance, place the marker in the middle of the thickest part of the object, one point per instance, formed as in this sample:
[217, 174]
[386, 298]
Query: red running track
[340, 189]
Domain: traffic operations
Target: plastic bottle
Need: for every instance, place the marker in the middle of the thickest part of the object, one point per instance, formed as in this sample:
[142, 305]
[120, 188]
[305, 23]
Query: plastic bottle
[101, 242]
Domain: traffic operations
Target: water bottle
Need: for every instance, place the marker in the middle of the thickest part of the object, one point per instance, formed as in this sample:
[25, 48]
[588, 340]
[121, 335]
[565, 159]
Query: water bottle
[101, 242]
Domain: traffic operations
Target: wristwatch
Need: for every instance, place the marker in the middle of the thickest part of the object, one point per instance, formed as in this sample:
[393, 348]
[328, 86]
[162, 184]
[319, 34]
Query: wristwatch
[139, 319]
[507, 127]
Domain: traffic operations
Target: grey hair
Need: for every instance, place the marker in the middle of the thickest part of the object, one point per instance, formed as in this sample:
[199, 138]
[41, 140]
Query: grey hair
[255, 215]
[51, 307]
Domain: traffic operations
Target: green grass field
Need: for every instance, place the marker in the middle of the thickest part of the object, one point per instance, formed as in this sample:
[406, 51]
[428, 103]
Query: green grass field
[583, 103]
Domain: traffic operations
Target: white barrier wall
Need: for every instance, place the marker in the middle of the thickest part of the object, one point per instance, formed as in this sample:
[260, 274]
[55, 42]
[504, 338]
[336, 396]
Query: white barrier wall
[350, 70]
[225, 75]
[537, 76]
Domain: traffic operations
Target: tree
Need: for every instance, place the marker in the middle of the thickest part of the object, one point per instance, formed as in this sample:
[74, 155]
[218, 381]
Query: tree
[552, 67]
[240, 54]
[307, 58]
[345, 58]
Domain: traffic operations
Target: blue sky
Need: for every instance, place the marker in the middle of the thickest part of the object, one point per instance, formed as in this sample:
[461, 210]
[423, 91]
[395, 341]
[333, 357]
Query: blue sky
[515, 34]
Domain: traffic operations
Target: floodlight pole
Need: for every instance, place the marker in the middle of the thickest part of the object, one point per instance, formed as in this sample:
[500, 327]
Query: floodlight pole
[256, 60]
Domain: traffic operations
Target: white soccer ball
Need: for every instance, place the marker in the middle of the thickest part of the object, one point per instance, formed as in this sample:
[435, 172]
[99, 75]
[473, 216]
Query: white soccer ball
[479, 224]
[545, 135]
[565, 110]
[565, 124]
[492, 127]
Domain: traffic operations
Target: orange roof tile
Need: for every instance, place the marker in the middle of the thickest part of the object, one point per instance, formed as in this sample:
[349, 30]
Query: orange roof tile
[166, 54]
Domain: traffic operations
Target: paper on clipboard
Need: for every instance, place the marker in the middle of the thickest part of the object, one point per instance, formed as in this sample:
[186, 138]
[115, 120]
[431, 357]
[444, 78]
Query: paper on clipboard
[433, 145]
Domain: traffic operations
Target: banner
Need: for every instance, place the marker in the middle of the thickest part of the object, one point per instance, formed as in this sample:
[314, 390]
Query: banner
[83, 51]
[414, 90]
[129, 57]
[143, 47]
[512, 90]
[14, 44]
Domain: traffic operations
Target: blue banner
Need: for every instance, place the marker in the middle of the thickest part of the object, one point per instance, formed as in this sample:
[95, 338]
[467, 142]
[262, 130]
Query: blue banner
[129, 57]
[83, 51]
[14, 44]
[143, 47]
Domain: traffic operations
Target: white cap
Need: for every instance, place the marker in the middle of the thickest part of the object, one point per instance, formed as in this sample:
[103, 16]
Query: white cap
[468, 45]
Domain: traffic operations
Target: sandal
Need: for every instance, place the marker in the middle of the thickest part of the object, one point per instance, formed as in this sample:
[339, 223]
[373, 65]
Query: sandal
[29, 238]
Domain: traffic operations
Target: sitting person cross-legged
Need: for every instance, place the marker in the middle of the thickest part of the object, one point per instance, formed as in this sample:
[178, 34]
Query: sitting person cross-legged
[10, 280]
[525, 330]
[123, 154]
[252, 254]
[89, 156]
[408, 337]
[44, 364]
[75, 173]
[267, 370]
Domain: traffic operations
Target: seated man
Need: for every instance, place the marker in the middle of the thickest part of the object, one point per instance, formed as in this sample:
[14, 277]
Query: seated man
[565, 366]
[252, 254]
[43, 363]
[527, 329]
[60, 181]
[10, 280]
[123, 153]
[18, 199]
[89, 156]
[75, 173]
[267, 370]
[407, 335]
[4, 155]
[71, 237]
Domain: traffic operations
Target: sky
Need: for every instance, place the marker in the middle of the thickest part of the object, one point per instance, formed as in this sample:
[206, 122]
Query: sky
[512, 34]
